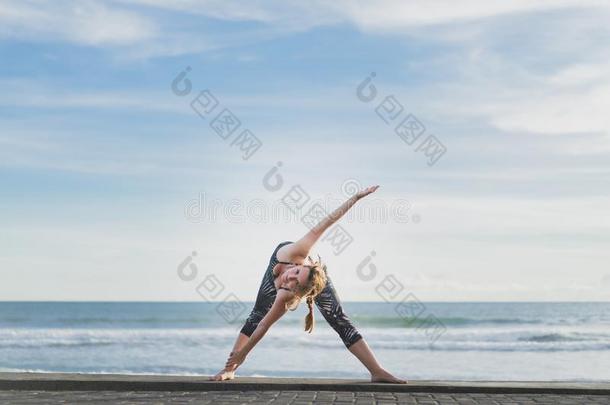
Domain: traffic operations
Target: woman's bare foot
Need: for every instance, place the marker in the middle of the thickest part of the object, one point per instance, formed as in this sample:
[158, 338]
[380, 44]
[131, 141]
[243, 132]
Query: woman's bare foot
[383, 376]
[223, 375]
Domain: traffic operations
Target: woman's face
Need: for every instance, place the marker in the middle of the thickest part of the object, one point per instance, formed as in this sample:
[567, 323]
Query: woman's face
[295, 277]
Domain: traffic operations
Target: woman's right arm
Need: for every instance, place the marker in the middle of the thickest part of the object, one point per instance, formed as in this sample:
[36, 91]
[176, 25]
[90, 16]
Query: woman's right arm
[278, 309]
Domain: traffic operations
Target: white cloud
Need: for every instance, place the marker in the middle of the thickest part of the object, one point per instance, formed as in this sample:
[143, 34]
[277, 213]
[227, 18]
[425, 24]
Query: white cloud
[293, 14]
[558, 113]
[378, 15]
[97, 23]
[83, 22]
[573, 99]
[581, 74]
[396, 14]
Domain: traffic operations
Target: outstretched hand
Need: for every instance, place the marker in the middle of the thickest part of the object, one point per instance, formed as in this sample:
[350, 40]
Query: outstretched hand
[366, 191]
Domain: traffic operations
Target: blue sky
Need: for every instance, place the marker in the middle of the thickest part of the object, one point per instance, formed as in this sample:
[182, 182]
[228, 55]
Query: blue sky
[99, 160]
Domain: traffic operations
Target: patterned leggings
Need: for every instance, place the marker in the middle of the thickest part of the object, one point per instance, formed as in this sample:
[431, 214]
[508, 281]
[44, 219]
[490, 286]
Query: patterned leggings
[327, 301]
[330, 306]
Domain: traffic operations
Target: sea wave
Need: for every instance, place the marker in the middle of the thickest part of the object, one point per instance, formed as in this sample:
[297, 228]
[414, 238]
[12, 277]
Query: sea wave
[482, 339]
[111, 321]
[416, 321]
[555, 337]
[176, 322]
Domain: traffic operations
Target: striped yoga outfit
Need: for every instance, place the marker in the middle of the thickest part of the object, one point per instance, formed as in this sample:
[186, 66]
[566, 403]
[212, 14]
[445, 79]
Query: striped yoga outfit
[327, 301]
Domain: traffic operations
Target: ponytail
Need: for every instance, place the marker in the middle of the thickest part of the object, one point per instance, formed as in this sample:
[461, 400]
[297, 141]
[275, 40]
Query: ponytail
[309, 322]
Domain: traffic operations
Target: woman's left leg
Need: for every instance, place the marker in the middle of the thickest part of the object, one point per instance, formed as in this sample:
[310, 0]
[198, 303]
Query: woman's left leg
[330, 307]
[363, 352]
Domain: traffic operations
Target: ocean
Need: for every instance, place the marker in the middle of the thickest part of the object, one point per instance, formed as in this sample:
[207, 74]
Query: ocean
[558, 341]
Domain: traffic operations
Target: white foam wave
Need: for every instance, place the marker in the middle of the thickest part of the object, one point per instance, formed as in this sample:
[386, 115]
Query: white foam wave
[489, 339]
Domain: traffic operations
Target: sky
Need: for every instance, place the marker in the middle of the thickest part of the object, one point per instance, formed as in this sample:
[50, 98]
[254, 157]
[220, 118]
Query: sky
[112, 172]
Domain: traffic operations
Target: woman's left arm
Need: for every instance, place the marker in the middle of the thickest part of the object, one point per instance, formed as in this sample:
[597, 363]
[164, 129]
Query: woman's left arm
[302, 247]
[278, 309]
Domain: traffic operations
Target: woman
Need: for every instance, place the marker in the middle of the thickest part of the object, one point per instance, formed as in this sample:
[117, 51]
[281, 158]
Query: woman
[291, 276]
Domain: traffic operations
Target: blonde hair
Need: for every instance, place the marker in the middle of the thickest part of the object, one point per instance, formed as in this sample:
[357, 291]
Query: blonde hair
[316, 281]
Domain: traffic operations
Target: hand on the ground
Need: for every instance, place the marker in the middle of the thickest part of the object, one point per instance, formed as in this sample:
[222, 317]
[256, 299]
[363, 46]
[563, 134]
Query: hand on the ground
[366, 191]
